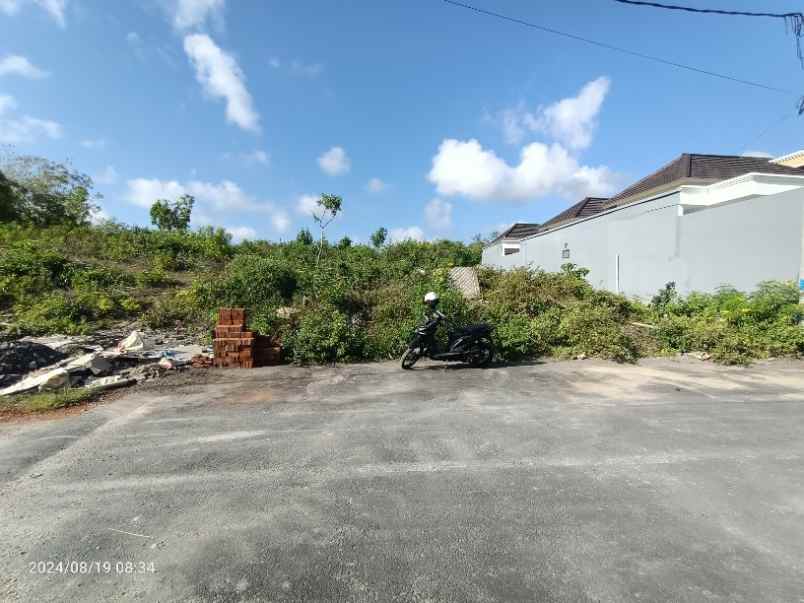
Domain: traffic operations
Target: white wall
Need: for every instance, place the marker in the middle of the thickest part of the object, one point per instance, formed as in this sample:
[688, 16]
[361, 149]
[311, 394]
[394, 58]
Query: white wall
[739, 244]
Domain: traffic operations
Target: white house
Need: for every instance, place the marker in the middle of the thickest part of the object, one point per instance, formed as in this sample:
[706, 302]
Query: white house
[701, 221]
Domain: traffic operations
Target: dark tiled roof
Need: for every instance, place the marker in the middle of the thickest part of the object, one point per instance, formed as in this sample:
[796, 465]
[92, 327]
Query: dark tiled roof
[519, 230]
[584, 208]
[693, 167]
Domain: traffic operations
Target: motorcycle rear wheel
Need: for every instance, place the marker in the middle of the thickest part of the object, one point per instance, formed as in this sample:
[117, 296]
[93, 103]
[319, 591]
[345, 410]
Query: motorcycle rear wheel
[481, 355]
[409, 358]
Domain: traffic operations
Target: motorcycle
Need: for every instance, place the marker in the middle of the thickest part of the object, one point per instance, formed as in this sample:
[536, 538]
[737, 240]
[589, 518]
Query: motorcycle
[471, 344]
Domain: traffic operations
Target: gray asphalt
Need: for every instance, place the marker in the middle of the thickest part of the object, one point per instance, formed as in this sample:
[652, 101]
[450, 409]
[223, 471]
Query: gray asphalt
[573, 481]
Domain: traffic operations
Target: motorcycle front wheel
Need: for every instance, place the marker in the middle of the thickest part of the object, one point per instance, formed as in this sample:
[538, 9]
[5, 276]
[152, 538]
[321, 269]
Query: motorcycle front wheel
[481, 355]
[409, 358]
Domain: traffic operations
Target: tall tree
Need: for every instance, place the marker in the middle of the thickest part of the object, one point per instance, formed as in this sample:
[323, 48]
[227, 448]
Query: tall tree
[327, 208]
[172, 216]
[8, 206]
[46, 192]
[379, 237]
[304, 237]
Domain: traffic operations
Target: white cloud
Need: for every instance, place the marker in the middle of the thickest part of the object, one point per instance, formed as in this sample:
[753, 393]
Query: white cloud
[93, 143]
[412, 233]
[24, 128]
[466, 168]
[99, 216]
[375, 185]
[133, 38]
[143, 192]
[257, 157]
[571, 121]
[335, 161]
[14, 64]
[281, 221]
[7, 102]
[107, 176]
[307, 205]
[438, 214]
[275, 62]
[223, 197]
[54, 8]
[239, 233]
[760, 154]
[221, 77]
[191, 14]
[27, 129]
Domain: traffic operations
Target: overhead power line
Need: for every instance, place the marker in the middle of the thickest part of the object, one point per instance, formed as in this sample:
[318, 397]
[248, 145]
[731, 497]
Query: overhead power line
[793, 21]
[633, 53]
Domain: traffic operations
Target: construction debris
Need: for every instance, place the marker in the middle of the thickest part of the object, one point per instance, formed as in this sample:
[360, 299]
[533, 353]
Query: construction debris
[235, 347]
[18, 358]
[57, 378]
[30, 364]
[135, 342]
[110, 382]
[202, 361]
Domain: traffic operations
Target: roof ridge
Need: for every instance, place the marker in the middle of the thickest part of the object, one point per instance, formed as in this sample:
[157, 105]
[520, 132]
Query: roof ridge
[731, 156]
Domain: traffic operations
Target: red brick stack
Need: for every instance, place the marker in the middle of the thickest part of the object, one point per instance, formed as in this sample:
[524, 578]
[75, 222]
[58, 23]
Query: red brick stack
[235, 347]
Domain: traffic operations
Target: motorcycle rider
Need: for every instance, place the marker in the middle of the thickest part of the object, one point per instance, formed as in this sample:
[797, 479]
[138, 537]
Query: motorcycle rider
[470, 344]
[431, 303]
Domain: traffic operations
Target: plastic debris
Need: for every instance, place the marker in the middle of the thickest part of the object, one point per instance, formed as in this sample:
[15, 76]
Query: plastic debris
[135, 342]
[111, 382]
[94, 362]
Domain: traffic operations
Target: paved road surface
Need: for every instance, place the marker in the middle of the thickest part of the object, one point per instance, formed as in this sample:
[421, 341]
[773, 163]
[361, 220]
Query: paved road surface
[576, 481]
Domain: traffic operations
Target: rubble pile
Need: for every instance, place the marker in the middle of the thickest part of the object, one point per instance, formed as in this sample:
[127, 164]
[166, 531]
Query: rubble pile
[17, 358]
[58, 362]
[235, 347]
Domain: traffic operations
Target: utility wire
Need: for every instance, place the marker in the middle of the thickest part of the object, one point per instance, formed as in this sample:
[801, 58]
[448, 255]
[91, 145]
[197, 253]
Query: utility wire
[621, 50]
[692, 9]
[795, 21]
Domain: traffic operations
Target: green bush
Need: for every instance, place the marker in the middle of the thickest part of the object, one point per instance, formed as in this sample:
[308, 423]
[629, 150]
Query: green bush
[325, 334]
[595, 331]
[514, 338]
[249, 281]
[733, 327]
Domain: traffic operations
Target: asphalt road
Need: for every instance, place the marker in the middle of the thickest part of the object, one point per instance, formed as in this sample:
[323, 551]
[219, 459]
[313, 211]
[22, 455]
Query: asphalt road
[576, 481]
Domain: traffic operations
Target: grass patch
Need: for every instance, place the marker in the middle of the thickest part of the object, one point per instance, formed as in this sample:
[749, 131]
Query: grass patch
[44, 401]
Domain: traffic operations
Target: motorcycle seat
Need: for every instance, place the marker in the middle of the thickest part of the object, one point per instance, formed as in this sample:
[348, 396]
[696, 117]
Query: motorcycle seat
[476, 330]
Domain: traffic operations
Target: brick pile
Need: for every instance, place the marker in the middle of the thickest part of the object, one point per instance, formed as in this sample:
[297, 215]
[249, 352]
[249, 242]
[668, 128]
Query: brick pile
[235, 347]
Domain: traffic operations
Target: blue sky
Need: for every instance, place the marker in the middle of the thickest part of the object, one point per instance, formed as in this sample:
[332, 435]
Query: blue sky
[428, 119]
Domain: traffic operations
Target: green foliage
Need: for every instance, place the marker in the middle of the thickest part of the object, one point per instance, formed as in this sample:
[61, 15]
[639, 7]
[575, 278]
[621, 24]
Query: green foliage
[304, 237]
[596, 330]
[515, 338]
[378, 237]
[325, 334]
[258, 283]
[734, 328]
[172, 216]
[351, 301]
[43, 192]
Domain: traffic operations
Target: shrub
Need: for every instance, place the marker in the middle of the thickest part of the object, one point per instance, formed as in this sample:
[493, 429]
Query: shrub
[325, 334]
[250, 281]
[545, 331]
[514, 338]
[595, 331]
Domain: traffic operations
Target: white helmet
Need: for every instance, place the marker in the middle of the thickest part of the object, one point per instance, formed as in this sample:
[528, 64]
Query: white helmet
[431, 298]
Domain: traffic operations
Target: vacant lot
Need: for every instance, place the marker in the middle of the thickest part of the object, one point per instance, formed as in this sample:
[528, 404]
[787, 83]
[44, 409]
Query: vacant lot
[561, 481]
